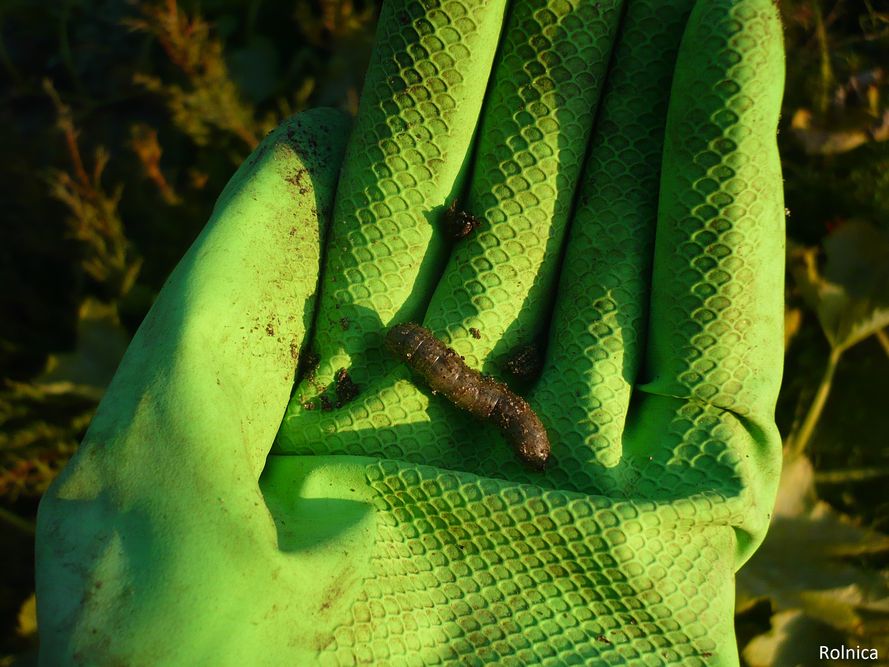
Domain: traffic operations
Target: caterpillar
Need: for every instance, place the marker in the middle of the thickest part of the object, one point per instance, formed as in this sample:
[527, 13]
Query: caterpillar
[446, 373]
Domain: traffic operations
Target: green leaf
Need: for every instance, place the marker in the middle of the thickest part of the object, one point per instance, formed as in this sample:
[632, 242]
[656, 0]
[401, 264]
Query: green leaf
[823, 138]
[851, 295]
[804, 563]
[27, 619]
[101, 343]
[42, 421]
[793, 640]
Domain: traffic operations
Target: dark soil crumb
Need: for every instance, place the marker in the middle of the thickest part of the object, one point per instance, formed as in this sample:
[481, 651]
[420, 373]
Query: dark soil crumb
[270, 329]
[326, 405]
[475, 333]
[308, 405]
[298, 180]
[525, 363]
[459, 224]
[345, 323]
[346, 390]
[309, 363]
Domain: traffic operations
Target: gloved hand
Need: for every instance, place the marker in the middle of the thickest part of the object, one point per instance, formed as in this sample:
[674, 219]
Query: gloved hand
[626, 176]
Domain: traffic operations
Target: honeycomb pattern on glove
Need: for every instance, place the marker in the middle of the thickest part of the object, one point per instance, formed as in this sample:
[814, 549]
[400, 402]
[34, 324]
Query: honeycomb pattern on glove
[537, 121]
[597, 339]
[700, 448]
[716, 296]
[476, 571]
[396, 419]
[536, 127]
[424, 89]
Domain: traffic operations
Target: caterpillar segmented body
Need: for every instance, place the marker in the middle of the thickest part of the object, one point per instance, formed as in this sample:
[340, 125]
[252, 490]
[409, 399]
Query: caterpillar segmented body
[446, 373]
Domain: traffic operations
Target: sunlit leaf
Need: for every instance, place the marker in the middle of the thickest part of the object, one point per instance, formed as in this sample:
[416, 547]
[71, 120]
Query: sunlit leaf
[793, 640]
[27, 618]
[851, 294]
[804, 562]
[820, 139]
[793, 318]
[42, 421]
[101, 343]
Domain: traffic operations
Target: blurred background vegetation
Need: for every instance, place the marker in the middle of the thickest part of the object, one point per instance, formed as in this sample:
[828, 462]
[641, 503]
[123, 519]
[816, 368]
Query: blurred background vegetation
[125, 119]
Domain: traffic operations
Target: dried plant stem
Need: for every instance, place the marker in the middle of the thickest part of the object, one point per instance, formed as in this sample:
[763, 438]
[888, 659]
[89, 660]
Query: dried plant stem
[850, 475]
[65, 123]
[16, 522]
[143, 141]
[799, 441]
[210, 99]
[827, 77]
[883, 339]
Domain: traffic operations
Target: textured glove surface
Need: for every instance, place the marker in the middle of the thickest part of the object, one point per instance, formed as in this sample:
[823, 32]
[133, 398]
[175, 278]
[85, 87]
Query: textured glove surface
[622, 158]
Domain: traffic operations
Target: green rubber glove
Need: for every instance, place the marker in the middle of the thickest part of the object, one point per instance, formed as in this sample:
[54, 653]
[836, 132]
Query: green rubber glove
[622, 158]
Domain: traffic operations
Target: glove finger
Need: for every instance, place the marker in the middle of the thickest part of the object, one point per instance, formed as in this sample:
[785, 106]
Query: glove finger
[171, 460]
[705, 418]
[225, 332]
[597, 334]
[419, 108]
[717, 296]
[535, 129]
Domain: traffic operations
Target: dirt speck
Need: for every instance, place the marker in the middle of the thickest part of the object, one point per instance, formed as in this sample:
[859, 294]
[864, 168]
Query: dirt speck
[270, 329]
[524, 363]
[475, 333]
[309, 364]
[346, 390]
[300, 180]
[459, 224]
[345, 323]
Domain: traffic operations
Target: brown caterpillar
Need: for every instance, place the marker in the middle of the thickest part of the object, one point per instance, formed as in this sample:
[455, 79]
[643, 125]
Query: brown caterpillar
[445, 372]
